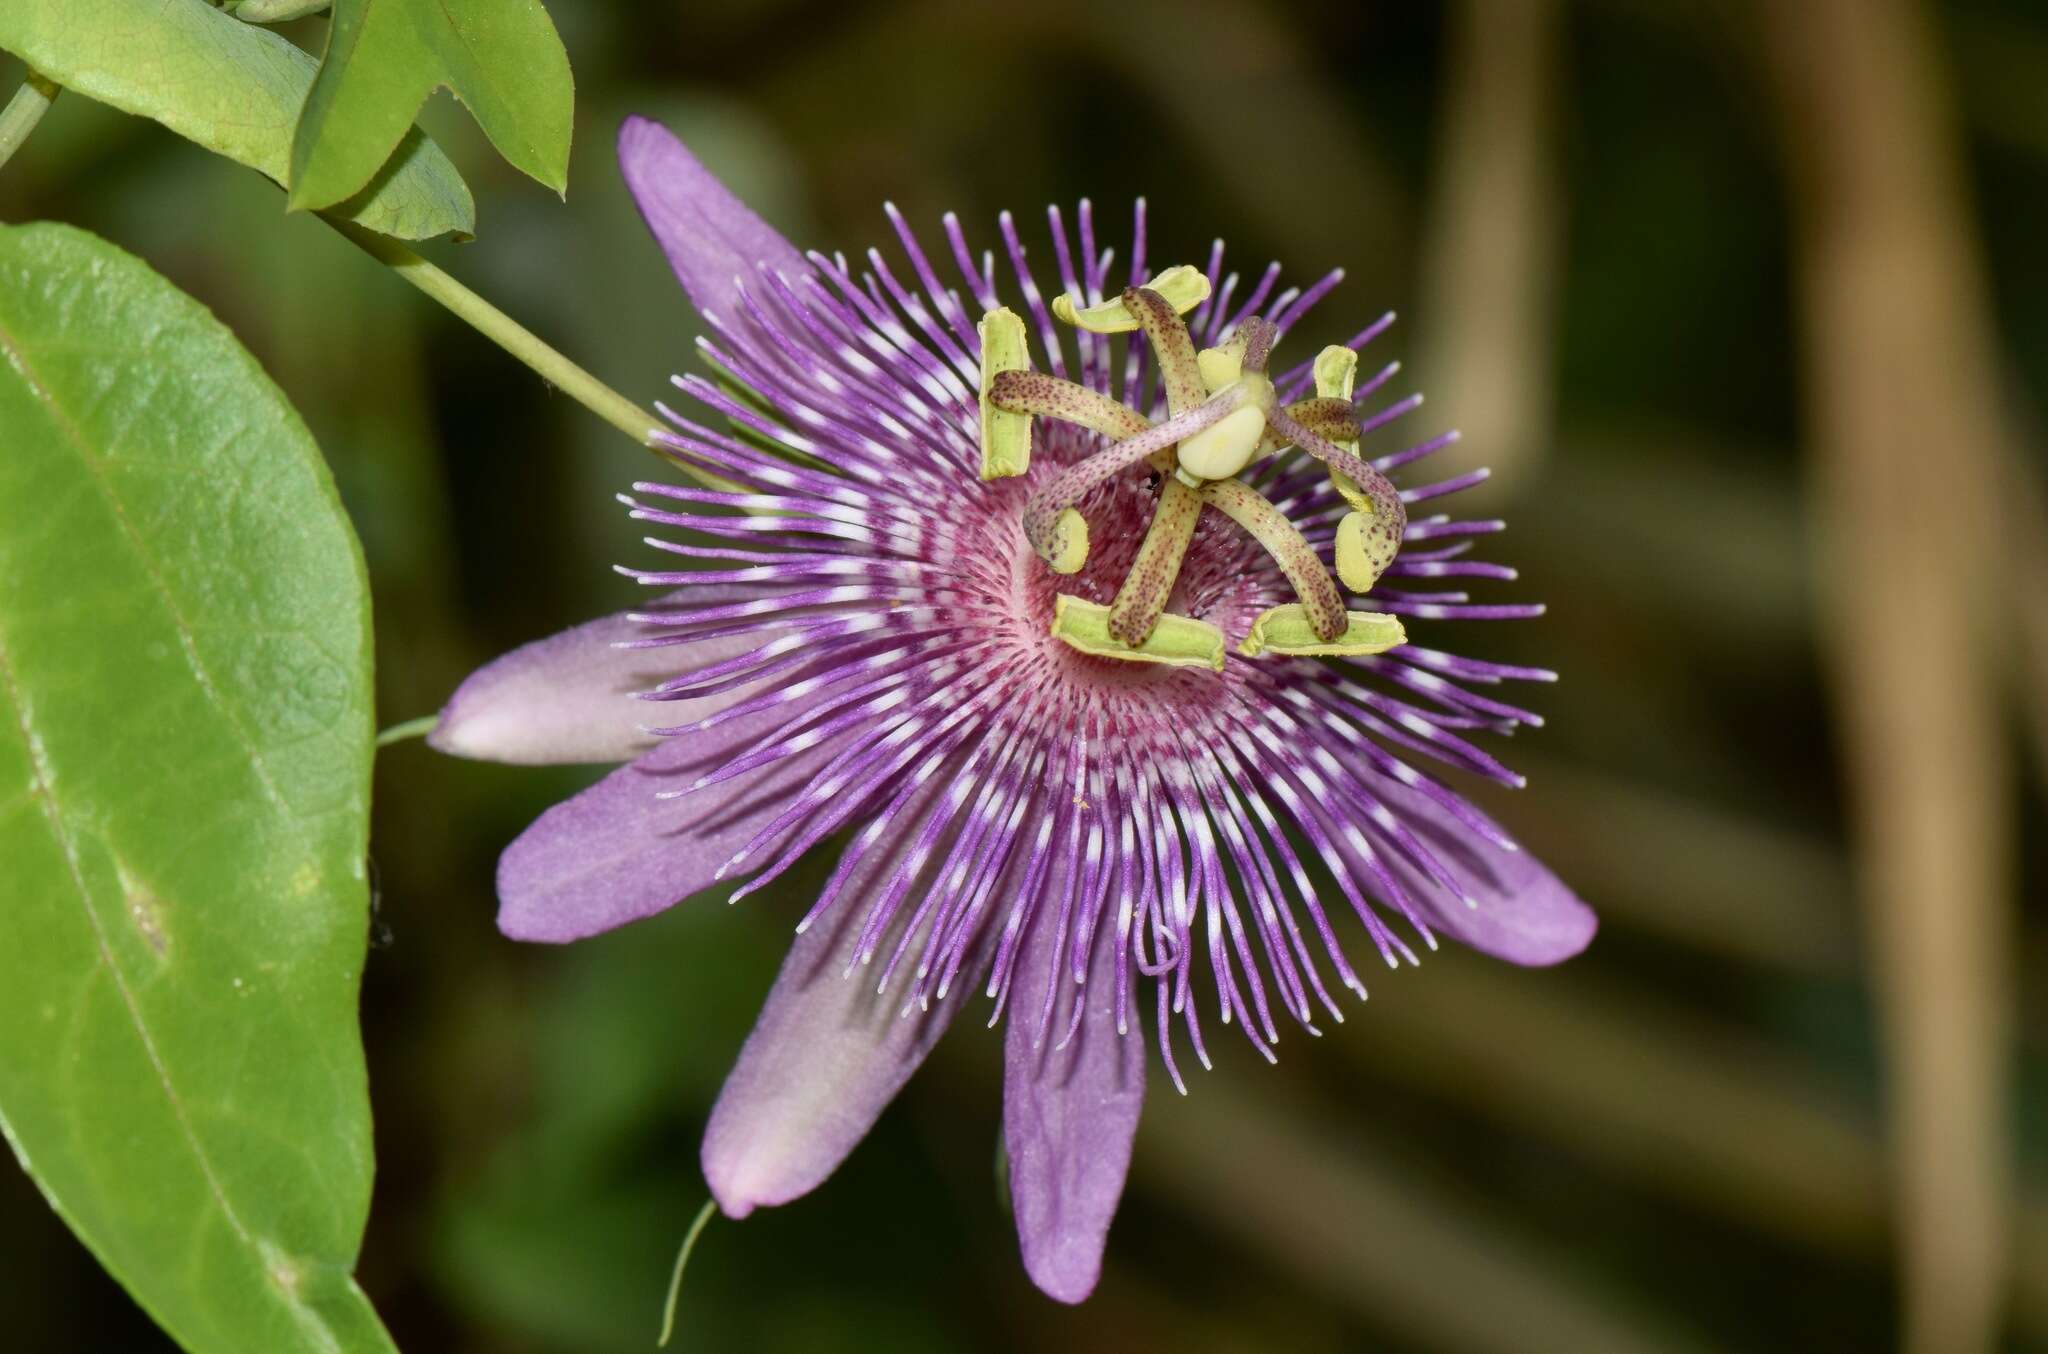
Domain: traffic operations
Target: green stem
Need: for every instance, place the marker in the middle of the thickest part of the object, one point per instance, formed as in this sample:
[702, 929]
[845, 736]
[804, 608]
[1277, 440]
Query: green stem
[501, 329]
[23, 112]
[675, 1281]
[412, 728]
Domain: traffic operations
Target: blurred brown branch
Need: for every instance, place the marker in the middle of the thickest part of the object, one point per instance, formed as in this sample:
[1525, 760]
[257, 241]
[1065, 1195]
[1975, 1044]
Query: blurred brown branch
[1387, 1247]
[1906, 459]
[1720, 883]
[2027, 588]
[1489, 246]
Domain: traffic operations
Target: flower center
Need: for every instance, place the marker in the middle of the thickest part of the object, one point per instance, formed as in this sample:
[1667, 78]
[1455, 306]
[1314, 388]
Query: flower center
[1223, 418]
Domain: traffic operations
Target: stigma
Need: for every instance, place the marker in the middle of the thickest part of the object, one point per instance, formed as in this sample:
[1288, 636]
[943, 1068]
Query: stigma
[1223, 418]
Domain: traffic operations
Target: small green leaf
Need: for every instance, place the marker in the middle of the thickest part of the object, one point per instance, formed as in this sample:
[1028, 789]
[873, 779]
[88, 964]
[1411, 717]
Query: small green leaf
[384, 57]
[185, 725]
[234, 88]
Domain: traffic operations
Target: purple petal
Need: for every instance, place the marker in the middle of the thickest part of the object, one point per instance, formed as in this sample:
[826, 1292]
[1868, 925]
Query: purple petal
[1525, 915]
[827, 1054]
[615, 853]
[570, 697]
[1068, 1114]
[710, 236]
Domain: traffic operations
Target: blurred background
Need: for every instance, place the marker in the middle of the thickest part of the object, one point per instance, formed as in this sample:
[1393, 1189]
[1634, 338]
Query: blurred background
[1747, 305]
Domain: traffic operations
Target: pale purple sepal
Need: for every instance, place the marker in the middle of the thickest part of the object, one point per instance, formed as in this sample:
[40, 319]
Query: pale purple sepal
[569, 698]
[616, 853]
[826, 1056]
[1069, 1114]
[710, 236]
[1525, 914]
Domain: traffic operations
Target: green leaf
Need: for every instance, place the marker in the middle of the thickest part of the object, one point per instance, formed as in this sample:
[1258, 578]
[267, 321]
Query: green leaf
[185, 726]
[234, 88]
[384, 57]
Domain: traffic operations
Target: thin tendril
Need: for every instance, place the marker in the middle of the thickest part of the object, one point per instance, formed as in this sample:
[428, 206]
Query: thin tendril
[412, 728]
[675, 1281]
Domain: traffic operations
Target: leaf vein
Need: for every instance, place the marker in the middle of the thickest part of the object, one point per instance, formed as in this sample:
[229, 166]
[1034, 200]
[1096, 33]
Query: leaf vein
[43, 788]
[186, 641]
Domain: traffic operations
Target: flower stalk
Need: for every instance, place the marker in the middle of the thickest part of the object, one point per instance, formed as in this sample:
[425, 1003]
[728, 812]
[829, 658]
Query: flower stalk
[515, 338]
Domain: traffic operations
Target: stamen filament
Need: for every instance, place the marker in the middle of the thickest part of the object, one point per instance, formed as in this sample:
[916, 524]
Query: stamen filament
[1247, 507]
[1143, 596]
[1171, 344]
[1046, 396]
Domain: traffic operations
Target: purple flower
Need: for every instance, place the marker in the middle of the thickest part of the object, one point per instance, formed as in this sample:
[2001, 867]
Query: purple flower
[967, 600]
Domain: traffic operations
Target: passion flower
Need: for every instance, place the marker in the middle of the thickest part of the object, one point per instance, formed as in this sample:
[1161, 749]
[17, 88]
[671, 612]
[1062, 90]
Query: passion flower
[1031, 604]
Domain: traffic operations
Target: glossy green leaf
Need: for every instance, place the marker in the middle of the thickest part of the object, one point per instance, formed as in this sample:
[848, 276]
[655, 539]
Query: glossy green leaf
[384, 57]
[185, 726]
[234, 88]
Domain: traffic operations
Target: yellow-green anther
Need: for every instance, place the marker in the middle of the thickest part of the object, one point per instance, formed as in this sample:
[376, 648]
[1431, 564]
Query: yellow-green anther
[1219, 452]
[1183, 286]
[1321, 603]
[1180, 641]
[1044, 395]
[1172, 346]
[1222, 364]
[1142, 598]
[1286, 630]
[1005, 433]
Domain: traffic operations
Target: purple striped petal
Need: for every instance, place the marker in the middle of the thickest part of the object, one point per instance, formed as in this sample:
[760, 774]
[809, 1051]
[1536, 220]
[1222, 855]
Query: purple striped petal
[1069, 1114]
[1525, 914]
[710, 236]
[616, 853]
[902, 620]
[826, 1056]
[569, 698]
